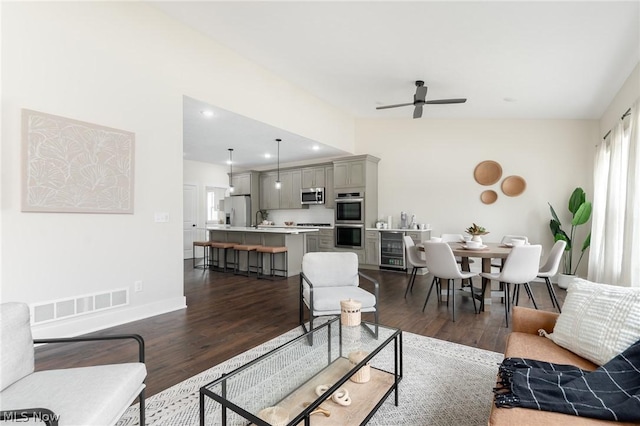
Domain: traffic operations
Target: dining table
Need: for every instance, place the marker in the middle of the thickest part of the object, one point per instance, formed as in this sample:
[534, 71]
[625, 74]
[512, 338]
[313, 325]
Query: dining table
[487, 252]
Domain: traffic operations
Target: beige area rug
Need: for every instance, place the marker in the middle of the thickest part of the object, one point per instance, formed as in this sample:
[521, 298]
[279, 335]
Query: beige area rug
[444, 384]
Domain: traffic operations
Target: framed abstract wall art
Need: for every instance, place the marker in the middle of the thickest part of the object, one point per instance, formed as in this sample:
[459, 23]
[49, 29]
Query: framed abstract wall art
[70, 166]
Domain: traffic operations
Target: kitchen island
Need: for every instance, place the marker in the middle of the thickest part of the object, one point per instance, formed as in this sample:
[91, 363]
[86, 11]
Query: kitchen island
[291, 237]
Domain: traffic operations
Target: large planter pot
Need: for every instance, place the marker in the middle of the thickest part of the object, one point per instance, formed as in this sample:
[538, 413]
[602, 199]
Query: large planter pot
[564, 280]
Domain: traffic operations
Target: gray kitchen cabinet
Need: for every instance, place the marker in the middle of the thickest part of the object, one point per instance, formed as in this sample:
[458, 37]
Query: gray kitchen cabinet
[290, 190]
[349, 174]
[312, 243]
[269, 195]
[287, 197]
[241, 183]
[329, 193]
[313, 177]
[325, 240]
[372, 248]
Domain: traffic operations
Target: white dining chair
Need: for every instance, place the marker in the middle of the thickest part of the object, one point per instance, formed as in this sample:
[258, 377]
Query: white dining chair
[441, 263]
[452, 238]
[413, 259]
[507, 240]
[550, 268]
[520, 267]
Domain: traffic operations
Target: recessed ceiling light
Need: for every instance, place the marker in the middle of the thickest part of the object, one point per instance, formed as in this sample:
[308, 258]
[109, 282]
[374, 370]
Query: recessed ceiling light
[315, 147]
[267, 155]
[207, 113]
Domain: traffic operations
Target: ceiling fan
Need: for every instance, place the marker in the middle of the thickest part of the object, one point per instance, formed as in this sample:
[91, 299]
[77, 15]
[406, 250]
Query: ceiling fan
[419, 100]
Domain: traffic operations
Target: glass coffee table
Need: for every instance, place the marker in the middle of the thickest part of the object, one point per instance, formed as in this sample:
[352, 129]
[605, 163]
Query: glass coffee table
[283, 382]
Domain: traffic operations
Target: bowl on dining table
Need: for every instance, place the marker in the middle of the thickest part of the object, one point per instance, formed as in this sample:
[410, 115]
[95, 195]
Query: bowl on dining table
[473, 244]
[466, 238]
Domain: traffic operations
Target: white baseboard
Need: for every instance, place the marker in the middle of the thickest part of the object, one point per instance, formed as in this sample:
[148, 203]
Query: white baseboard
[89, 323]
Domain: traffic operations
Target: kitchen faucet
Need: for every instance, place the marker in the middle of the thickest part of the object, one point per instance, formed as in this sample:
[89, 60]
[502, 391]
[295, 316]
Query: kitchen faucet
[258, 211]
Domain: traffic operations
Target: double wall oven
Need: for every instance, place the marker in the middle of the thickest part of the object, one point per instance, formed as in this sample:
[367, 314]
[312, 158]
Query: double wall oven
[349, 226]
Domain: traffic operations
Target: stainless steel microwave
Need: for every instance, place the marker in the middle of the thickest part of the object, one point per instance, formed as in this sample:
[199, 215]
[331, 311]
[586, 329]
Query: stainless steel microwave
[312, 196]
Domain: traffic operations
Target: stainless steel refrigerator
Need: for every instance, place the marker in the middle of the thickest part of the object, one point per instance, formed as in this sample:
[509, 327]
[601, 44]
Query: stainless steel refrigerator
[238, 210]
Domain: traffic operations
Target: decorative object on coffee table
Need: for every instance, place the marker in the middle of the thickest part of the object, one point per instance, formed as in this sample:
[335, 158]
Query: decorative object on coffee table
[350, 312]
[364, 374]
[340, 397]
[276, 416]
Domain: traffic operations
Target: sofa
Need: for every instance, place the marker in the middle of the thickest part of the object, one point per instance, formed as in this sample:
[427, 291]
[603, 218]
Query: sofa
[525, 342]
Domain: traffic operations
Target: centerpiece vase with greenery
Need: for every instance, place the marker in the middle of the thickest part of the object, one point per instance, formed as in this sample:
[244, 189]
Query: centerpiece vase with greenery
[476, 232]
[580, 210]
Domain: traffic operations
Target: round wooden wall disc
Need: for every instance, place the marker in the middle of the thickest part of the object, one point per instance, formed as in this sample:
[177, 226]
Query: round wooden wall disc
[489, 196]
[513, 186]
[487, 172]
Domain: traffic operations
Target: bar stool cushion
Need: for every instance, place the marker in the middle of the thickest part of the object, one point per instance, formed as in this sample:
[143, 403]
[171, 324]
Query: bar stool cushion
[269, 249]
[202, 243]
[222, 245]
[246, 247]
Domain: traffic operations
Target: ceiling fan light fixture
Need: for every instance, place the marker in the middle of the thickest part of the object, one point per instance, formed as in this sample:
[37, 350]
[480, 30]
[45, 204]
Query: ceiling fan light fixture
[419, 100]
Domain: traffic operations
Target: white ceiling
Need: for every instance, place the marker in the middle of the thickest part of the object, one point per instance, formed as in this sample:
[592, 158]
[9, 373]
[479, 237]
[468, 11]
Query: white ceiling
[208, 139]
[527, 60]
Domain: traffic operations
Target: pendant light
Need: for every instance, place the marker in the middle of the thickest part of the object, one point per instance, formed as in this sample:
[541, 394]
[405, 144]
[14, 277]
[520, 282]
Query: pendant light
[278, 183]
[231, 170]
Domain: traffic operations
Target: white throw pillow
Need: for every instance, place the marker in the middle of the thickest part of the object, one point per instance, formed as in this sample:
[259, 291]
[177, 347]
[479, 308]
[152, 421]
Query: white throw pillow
[598, 321]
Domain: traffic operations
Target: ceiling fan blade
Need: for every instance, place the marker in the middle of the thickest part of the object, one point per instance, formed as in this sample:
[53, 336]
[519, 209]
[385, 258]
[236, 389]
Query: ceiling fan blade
[394, 106]
[421, 93]
[417, 113]
[448, 101]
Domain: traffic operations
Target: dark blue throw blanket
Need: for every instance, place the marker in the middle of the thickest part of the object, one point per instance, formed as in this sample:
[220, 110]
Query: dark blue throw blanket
[612, 392]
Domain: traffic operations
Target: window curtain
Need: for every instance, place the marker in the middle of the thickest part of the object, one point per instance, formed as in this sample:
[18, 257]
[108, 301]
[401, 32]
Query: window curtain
[615, 225]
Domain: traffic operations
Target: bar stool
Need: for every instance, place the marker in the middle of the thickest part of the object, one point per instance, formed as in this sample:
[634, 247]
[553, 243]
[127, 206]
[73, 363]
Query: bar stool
[248, 248]
[272, 251]
[216, 246]
[206, 245]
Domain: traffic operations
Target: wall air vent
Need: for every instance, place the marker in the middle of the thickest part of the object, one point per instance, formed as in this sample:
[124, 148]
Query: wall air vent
[54, 310]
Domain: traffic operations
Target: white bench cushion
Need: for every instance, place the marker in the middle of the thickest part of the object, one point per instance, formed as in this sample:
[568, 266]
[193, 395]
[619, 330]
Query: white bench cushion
[80, 396]
[326, 300]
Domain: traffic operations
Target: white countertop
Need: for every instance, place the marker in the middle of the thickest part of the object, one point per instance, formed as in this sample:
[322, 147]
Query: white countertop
[264, 230]
[399, 230]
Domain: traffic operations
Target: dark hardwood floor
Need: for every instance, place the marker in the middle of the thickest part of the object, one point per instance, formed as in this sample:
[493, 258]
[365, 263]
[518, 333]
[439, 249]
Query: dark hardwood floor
[228, 314]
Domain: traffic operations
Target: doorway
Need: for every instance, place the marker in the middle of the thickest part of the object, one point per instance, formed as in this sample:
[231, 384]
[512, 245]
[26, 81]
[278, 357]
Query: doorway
[190, 218]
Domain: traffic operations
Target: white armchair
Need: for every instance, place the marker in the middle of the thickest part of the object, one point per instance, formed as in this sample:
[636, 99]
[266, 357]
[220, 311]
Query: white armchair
[328, 278]
[96, 395]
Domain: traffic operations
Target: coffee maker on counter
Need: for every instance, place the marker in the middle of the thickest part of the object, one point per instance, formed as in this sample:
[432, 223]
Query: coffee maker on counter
[403, 220]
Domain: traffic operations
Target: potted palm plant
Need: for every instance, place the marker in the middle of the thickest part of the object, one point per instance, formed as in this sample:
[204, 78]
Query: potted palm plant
[580, 210]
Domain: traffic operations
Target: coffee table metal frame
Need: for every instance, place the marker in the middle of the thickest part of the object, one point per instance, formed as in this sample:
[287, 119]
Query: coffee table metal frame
[395, 336]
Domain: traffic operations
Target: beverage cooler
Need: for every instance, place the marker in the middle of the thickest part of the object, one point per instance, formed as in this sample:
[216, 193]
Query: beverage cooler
[392, 250]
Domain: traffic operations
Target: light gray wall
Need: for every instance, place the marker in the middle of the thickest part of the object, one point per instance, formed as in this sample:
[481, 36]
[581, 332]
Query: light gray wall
[124, 65]
[427, 169]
